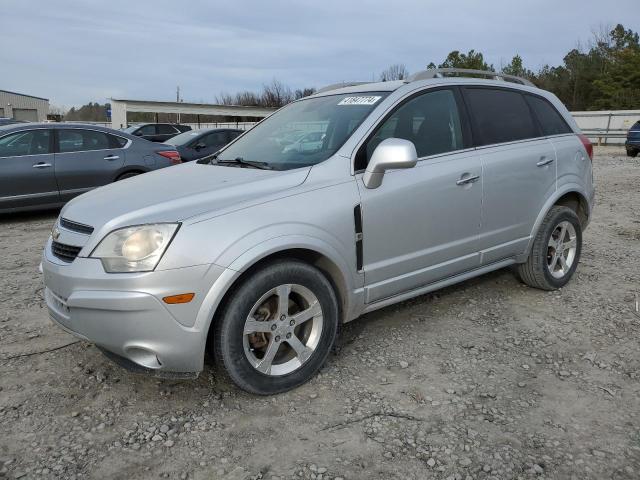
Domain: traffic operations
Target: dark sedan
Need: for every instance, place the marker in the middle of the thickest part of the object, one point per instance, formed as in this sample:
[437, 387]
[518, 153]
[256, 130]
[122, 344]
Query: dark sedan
[157, 132]
[200, 143]
[47, 164]
[633, 140]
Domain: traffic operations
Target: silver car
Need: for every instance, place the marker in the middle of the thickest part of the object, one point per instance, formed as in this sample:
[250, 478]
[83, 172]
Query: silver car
[47, 164]
[259, 253]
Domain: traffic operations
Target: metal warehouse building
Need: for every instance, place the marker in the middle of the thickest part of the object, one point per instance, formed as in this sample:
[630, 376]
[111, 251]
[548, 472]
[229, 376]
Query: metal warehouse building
[23, 107]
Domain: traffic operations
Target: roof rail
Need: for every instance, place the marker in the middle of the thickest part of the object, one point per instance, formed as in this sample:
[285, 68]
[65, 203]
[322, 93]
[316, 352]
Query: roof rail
[441, 72]
[335, 86]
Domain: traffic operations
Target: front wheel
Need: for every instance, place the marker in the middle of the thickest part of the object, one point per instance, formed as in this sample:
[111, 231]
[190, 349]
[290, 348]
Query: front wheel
[277, 328]
[556, 250]
[632, 153]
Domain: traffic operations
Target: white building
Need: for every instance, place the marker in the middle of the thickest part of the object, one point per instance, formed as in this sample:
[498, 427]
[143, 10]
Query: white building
[23, 107]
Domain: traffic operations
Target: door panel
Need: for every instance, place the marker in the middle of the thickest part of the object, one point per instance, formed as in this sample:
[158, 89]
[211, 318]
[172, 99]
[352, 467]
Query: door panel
[420, 226]
[85, 161]
[26, 170]
[518, 178]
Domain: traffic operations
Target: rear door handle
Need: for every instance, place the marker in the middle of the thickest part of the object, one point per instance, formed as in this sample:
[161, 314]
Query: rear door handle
[545, 161]
[469, 179]
[42, 165]
[111, 157]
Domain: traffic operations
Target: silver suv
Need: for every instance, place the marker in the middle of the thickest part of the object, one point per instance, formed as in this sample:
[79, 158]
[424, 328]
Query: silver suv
[259, 253]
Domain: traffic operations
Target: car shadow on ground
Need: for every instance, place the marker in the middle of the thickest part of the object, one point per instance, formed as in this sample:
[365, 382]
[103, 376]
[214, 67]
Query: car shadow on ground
[30, 216]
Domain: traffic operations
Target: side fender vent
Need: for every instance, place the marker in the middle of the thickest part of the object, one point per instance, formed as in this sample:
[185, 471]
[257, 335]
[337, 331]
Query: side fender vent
[357, 220]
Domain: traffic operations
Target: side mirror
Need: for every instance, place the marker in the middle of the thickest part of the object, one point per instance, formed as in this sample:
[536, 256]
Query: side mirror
[391, 154]
[138, 133]
[199, 146]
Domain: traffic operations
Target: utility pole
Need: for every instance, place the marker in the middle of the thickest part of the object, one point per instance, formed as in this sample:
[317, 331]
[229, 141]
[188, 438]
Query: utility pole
[178, 99]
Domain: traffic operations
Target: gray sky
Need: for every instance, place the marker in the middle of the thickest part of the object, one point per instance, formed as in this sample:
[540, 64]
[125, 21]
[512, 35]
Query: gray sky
[75, 51]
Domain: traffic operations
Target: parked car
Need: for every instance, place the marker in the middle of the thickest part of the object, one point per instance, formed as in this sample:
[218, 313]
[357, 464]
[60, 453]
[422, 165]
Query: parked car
[633, 140]
[197, 144]
[47, 164]
[9, 121]
[260, 254]
[157, 132]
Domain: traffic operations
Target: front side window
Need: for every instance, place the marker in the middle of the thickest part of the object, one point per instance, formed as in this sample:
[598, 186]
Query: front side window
[500, 115]
[82, 140]
[216, 139]
[31, 142]
[277, 141]
[233, 134]
[550, 120]
[431, 121]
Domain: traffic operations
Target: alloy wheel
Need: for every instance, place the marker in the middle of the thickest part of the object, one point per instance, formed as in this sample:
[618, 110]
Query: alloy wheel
[561, 251]
[283, 329]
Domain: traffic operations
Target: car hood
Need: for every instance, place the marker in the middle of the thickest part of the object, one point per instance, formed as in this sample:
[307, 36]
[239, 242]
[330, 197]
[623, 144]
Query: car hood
[178, 193]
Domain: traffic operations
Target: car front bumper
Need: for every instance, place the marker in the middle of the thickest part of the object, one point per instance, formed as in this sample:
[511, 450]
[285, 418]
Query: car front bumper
[124, 313]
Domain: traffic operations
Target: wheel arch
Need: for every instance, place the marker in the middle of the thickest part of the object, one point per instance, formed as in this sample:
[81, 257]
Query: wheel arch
[310, 251]
[572, 196]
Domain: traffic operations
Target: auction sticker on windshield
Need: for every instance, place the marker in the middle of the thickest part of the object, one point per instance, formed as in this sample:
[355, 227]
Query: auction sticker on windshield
[369, 100]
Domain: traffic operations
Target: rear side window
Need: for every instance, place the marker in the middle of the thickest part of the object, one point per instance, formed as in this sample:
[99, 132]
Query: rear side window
[147, 130]
[550, 120]
[166, 129]
[31, 142]
[499, 116]
[82, 140]
[117, 142]
[233, 134]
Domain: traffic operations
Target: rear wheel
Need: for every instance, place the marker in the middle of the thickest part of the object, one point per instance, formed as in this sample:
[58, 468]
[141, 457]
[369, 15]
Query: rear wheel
[277, 328]
[556, 251]
[632, 153]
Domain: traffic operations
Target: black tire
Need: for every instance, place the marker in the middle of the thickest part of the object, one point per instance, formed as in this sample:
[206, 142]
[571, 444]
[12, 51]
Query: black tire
[228, 330]
[535, 272]
[127, 175]
[632, 153]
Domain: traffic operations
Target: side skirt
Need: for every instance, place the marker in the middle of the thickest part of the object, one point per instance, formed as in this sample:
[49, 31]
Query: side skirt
[438, 285]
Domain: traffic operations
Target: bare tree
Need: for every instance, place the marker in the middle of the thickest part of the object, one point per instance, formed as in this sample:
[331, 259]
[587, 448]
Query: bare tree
[225, 99]
[276, 94]
[396, 71]
[305, 92]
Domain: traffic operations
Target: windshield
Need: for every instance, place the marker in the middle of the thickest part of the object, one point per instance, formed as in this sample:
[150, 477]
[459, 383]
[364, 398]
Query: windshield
[184, 138]
[304, 133]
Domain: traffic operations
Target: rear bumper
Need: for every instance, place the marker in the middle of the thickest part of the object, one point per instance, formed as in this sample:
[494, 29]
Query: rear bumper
[124, 314]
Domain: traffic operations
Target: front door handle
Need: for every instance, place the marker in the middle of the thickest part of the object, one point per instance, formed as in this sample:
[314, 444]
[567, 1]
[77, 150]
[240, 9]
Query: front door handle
[545, 161]
[42, 165]
[469, 179]
[111, 157]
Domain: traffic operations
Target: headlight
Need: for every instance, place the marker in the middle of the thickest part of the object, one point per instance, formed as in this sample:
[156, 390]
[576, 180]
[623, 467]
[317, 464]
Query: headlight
[134, 249]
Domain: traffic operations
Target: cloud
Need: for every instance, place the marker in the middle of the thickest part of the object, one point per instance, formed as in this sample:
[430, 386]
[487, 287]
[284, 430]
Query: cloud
[74, 51]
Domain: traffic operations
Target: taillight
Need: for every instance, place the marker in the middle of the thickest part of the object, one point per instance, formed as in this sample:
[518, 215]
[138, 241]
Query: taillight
[172, 155]
[588, 146]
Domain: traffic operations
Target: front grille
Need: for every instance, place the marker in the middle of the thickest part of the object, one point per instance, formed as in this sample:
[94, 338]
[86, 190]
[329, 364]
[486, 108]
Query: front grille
[76, 227]
[66, 253]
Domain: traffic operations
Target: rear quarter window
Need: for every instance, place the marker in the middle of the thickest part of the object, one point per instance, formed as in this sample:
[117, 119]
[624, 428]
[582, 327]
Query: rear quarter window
[499, 115]
[549, 118]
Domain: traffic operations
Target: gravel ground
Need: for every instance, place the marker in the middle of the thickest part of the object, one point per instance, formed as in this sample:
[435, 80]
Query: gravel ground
[487, 379]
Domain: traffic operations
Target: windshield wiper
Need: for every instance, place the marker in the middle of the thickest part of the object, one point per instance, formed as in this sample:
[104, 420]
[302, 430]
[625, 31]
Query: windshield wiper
[242, 162]
[208, 159]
